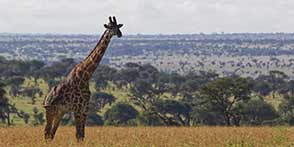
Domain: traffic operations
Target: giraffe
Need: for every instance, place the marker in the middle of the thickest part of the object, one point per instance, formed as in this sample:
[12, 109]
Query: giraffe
[72, 94]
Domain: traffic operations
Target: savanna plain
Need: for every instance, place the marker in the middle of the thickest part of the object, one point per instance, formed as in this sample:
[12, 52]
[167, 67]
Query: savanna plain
[153, 137]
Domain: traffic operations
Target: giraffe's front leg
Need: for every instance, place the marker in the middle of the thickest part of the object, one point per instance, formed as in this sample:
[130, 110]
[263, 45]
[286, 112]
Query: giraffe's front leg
[80, 119]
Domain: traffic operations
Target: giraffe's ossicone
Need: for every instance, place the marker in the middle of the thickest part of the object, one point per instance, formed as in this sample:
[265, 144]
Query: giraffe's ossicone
[72, 94]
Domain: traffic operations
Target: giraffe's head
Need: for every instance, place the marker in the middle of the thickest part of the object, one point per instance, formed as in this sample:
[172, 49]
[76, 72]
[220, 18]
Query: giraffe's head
[113, 27]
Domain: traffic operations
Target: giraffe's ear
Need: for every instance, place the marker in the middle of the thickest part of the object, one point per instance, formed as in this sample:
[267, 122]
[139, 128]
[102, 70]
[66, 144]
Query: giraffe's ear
[120, 25]
[106, 26]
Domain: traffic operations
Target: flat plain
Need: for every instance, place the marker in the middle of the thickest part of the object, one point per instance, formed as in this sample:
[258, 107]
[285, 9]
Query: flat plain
[153, 137]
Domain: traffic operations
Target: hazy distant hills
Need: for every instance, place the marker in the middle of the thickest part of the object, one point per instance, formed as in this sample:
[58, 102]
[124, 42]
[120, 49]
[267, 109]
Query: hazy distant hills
[245, 54]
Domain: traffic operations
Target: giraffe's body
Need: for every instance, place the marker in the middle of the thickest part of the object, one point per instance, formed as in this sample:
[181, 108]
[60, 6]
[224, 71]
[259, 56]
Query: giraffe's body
[72, 94]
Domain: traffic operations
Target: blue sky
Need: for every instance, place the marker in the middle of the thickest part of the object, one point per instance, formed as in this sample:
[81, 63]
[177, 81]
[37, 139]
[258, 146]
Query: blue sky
[147, 16]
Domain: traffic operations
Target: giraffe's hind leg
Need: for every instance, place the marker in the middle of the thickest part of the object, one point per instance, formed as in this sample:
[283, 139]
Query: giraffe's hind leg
[55, 124]
[80, 120]
[49, 122]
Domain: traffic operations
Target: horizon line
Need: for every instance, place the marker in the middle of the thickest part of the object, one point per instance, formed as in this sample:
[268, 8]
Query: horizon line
[147, 34]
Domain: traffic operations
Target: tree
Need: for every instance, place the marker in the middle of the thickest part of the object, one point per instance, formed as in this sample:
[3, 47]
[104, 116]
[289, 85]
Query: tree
[102, 75]
[14, 82]
[144, 95]
[174, 82]
[34, 65]
[4, 106]
[149, 118]
[263, 88]
[291, 87]
[3, 103]
[255, 112]
[94, 119]
[286, 109]
[148, 96]
[99, 100]
[201, 112]
[204, 115]
[24, 116]
[190, 88]
[126, 77]
[31, 92]
[132, 72]
[38, 117]
[193, 82]
[277, 78]
[52, 82]
[6, 109]
[148, 73]
[56, 70]
[223, 95]
[120, 114]
[173, 112]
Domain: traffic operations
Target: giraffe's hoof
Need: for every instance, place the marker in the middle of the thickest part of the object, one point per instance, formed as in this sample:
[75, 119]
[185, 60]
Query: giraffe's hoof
[80, 139]
[48, 138]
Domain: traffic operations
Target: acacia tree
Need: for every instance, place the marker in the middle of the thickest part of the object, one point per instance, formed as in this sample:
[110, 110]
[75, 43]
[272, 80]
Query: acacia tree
[120, 114]
[277, 80]
[194, 81]
[31, 92]
[257, 112]
[174, 81]
[149, 97]
[6, 109]
[173, 112]
[99, 100]
[4, 105]
[291, 87]
[223, 96]
[38, 117]
[286, 109]
[102, 75]
[127, 76]
[145, 95]
[262, 88]
[56, 70]
[14, 82]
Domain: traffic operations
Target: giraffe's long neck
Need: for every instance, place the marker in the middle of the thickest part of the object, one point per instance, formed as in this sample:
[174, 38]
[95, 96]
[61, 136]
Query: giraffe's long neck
[87, 67]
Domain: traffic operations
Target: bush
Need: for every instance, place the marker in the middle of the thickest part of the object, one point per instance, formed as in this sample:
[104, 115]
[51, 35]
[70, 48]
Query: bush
[120, 114]
[257, 112]
[94, 119]
[148, 118]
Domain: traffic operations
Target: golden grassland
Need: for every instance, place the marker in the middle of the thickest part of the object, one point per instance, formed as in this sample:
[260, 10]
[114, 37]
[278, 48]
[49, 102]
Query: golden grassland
[153, 137]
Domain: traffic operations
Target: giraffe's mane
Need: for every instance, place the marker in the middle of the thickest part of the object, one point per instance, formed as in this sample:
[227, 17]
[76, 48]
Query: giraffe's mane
[96, 44]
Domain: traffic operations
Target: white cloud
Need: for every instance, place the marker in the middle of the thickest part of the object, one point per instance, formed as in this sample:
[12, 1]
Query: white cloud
[147, 16]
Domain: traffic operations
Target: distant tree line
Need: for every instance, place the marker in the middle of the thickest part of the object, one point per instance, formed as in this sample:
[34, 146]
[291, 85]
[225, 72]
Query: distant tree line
[155, 98]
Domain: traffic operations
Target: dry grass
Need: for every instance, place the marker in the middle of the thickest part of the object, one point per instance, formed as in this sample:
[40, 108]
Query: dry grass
[153, 137]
